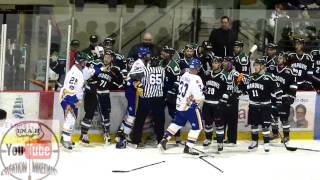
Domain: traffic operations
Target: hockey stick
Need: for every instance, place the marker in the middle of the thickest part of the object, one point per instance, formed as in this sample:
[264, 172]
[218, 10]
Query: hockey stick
[202, 152]
[125, 171]
[295, 148]
[202, 158]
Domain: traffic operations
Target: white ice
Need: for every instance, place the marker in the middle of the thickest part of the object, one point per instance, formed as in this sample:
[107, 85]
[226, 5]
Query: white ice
[97, 162]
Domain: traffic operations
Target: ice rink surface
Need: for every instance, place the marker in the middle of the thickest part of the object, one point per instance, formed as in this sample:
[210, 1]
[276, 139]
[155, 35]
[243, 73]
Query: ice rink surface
[98, 161]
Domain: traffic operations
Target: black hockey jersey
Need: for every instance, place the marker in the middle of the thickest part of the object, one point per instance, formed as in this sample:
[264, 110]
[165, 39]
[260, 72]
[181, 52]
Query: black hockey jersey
[107, 80]
[270, 60]
[215, 86]
[263, 89]
[286, 79]
[315, 54]
[302, 66]
[242, 64]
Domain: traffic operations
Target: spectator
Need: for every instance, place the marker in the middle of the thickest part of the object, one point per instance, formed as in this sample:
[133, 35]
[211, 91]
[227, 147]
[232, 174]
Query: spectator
[74, 48]
[222, 39]
[301, 111]
[146, 43]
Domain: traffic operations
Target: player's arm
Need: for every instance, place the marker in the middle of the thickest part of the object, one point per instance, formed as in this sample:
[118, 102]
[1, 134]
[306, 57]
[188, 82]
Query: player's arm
[224, 88]
[292, 89]
[197, 92]
[276, 96]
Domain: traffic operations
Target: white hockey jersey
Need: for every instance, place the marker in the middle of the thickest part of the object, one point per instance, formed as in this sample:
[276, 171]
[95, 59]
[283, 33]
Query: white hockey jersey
[137, 67]
[73, 83]
[190, 91]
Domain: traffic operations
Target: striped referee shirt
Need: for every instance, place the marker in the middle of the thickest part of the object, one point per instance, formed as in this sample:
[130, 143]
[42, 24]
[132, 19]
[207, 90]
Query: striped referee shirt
[153, 82]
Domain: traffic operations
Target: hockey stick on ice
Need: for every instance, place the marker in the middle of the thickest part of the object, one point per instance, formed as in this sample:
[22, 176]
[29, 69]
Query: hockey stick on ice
[295, 148]
[125, 171]
[202, 152]
[202, 158]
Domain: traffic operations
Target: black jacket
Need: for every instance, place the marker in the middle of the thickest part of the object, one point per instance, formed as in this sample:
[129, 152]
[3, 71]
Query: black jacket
[222, 41]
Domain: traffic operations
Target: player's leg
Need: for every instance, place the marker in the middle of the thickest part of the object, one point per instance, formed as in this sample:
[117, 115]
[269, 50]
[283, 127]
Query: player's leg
[179, 121]
[104, 105]
[70, 107]
[128, 122]
[208, 121]
[219, 125]
[142, 112]
[158, 117]
[90, 105]
[253, 116]
[265, 116]
[195, 119]
[284, 115]
[233, 122]
[172, 111]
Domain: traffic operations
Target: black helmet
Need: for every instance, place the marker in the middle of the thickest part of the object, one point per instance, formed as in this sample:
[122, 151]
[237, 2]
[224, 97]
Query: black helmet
[168, 50]
[238, 44]
[108, 41]
[272, 46]
[260, 61]
[207, 45]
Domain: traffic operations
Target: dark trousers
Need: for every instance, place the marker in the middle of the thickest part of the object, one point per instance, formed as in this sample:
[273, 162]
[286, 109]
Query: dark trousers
[156, 107]
[231, 120]
[90, 105]
[104, 105]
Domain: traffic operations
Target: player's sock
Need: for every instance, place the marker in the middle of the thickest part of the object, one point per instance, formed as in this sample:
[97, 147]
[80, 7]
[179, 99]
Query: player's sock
[192, 139]
[266, 147]
[220, 134]
[128, 124]
[172, 130]
[177, 135]
[266, 135]
[208, 132]
[286, 131]
[275, 130]
[254, 137]
[68, 127]
[85, 125]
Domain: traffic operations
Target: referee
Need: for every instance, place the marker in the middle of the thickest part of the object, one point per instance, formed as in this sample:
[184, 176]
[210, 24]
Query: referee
[151, 101]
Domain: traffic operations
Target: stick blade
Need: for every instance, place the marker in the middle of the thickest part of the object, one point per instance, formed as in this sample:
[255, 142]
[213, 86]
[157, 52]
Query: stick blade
[291, 148]
[119, 171]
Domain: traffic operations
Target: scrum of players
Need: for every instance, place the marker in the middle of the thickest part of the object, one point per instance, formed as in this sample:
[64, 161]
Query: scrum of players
[195, 85]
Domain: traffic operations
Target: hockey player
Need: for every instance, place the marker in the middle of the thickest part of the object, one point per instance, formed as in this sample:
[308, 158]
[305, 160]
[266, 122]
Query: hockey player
[264, 98]
[132, 93]
[189, 53]
[189, 97]
[118, 60]
[241, 61]
[286, 78]
[302, 65]
[205, 54]
[90, 96]
[235, 79]
[171, 83]
[315, 54]
[271, 54]
[70, 95]
[216, 98]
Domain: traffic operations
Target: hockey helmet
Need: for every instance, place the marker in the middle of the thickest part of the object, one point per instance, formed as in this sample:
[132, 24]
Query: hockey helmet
[195, 63]
[143, 52]
[80, 57]
[260, 61]
[272, 45]
[207, 45]
[238, 44]
[108, 41]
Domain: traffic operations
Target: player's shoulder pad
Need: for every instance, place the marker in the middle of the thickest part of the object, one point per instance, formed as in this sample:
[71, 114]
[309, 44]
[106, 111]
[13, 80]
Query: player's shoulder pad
[173, 66]
[119, 56]
[270, 76]
[224, 74]
[315, 52]
[308, 56]
[289, 70]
